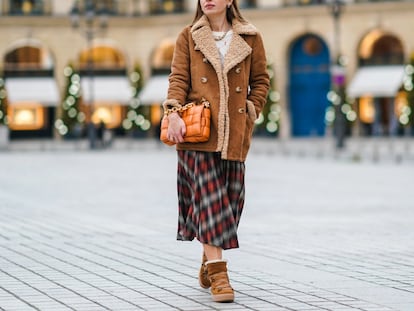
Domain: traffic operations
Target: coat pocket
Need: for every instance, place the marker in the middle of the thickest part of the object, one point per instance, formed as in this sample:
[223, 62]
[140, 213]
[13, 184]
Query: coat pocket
[251, 110]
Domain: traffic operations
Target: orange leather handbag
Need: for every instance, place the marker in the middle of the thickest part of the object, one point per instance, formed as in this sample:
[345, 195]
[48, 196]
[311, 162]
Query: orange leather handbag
[197, 121]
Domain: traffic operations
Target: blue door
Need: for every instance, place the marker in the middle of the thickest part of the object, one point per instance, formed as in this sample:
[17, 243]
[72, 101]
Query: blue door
[309, 85]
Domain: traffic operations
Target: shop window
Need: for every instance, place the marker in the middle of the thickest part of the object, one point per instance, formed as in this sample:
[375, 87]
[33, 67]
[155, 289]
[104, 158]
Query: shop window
[27, 7]
[366, 110]
[26, 116]
[108, 113]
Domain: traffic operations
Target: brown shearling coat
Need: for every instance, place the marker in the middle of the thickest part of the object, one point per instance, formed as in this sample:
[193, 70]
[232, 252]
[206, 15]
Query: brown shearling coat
[236, 90]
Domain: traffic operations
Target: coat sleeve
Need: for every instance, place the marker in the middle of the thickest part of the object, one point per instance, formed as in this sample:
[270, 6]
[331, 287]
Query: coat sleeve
[259, 78]
[179, 78]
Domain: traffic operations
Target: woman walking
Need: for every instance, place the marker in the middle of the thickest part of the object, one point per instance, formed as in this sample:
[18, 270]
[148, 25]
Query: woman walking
[220, 57]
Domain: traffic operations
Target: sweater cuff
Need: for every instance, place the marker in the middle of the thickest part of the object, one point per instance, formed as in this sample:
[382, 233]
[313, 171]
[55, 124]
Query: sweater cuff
[170, 103]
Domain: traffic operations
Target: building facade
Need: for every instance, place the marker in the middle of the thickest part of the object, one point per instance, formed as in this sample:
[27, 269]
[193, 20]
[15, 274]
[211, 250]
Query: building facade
[113, 68]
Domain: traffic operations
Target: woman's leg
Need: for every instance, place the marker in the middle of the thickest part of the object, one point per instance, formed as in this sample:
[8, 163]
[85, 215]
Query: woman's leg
[212, 252]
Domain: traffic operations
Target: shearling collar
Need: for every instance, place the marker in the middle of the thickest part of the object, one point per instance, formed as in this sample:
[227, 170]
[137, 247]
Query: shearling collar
[238, 50]
[238, 27]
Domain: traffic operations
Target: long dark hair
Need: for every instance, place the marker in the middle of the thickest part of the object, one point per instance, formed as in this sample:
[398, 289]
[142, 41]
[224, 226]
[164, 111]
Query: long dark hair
[232, 13]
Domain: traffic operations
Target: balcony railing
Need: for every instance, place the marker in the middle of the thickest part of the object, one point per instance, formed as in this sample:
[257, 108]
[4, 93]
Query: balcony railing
[144, 7]
[27, 7]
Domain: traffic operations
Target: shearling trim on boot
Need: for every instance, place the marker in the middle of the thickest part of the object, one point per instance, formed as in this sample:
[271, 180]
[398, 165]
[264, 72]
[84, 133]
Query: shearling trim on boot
[221, 290]
[203, 275]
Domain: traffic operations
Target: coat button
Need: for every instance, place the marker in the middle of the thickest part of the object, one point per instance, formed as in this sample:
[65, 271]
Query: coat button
[242, 110]
[203, 80]
[238, 70]
[238, 89]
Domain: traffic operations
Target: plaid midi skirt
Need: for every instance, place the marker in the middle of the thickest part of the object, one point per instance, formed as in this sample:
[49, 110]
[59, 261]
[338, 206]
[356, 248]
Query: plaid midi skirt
[211, 194]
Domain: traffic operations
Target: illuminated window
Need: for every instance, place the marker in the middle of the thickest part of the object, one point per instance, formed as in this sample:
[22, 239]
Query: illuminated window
[103, 57]
[28, 116]
[108, 113]
[366, 110]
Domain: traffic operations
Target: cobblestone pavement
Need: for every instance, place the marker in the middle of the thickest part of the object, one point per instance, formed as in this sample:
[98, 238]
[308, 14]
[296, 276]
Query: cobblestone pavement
[95, 230]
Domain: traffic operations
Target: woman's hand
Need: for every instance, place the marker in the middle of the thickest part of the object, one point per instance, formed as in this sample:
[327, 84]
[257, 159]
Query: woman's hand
[176, 128]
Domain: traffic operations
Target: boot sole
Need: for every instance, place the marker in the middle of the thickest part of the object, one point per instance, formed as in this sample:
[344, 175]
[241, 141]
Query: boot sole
[223, 298]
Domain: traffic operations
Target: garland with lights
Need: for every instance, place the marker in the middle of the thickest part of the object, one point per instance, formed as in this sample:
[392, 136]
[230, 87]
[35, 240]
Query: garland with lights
[71, 120]
[3, 103]
[407, 114]
[268, 122]
[137, 117]
[340, 103]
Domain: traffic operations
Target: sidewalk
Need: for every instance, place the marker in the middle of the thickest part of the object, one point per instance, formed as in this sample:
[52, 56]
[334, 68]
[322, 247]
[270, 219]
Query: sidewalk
[91, 230]
[371, 149]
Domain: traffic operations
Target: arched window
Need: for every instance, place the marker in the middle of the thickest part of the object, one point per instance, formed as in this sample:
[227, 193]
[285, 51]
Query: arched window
[102, 59]
[26, 59]
[162, 57]
[380, 48]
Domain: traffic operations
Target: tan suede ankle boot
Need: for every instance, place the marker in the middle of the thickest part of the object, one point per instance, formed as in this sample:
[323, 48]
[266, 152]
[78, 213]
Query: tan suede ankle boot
[221, 290]
[202, 274]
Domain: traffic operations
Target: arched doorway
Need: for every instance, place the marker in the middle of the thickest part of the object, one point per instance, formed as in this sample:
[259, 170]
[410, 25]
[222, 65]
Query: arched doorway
[106, 89]
[309, 83]
[155, 89]
[31, 89]
[381, 65]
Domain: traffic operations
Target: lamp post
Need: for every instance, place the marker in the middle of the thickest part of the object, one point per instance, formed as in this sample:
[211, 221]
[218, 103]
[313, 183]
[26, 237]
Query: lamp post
[336, 8]
[84, 18]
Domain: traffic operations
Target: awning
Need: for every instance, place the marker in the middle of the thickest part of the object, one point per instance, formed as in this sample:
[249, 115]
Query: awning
[377, 81]
[155, 90]
[43, 90]
[106, 89]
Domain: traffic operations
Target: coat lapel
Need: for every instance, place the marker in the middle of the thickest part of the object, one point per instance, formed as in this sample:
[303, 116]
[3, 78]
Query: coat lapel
[205, 43]
[238, 50]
